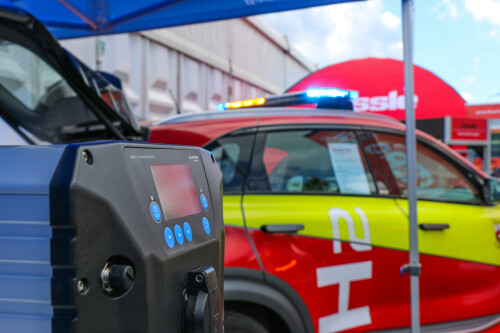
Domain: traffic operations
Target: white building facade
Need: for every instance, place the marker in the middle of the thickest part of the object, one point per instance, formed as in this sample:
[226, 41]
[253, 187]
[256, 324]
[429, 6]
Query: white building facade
[193, 68]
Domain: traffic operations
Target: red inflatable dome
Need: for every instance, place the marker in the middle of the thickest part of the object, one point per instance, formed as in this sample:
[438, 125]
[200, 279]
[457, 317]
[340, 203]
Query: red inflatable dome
[380, 83]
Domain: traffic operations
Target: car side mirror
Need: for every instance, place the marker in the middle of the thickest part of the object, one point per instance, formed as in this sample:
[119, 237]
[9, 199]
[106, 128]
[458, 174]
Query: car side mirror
[492, 190]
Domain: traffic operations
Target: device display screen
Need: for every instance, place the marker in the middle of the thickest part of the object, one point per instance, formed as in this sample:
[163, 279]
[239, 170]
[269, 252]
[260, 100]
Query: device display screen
[175, 187]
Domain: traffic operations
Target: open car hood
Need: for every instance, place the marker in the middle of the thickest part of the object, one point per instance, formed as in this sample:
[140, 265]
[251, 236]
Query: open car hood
[49, 96]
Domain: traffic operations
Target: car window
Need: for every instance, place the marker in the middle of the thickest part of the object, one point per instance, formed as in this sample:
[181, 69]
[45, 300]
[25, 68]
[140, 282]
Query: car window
[311, 161]
[386, 185]
[30, 79]
[232, 154]
[38, 98]
[437, 178]
[41, 105]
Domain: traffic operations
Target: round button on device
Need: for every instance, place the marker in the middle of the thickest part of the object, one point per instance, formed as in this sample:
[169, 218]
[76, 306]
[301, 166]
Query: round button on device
[188, 232]
[178, 234]
[204, 201]
[169, 237]
[206, 226]
[155, 211]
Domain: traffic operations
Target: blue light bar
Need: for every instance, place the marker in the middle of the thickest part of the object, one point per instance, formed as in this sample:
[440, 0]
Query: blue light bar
[222, 106]
[318, 96]
[319, 93]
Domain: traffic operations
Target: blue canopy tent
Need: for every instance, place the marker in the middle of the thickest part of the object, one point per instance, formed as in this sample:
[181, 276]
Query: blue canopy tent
[82, 18]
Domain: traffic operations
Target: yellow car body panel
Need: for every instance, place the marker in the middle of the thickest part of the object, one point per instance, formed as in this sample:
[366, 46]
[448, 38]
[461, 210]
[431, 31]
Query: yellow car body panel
[231, 205]
[470, 226]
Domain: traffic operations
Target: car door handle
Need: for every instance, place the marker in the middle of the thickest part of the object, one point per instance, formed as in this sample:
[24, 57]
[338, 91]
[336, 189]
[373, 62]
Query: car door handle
[434, 226]
[281, 228]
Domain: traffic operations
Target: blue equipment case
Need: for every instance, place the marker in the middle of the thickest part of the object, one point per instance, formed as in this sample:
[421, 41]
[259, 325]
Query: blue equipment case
[86, 242]
[25, 235]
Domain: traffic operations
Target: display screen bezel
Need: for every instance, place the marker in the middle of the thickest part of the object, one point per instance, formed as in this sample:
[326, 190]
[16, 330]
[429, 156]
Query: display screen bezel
[168, 199]
[139, 161]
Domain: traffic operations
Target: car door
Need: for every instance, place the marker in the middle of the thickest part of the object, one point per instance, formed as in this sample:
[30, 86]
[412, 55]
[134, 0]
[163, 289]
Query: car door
[323, 222]
[460, 254]
[232, 153]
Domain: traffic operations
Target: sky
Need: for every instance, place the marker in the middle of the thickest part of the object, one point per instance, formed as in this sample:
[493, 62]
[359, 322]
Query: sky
[458, 40]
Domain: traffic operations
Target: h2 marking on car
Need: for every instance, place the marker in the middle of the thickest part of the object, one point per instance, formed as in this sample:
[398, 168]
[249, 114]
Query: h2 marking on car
[342, 275]
[335, 215]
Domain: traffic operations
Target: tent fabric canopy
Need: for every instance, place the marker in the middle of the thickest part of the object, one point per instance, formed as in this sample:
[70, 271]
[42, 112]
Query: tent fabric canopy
[81, 18]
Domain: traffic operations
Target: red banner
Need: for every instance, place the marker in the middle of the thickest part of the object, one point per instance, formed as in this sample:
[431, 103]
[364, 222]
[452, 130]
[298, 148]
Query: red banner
[485, 111]
[467, 129]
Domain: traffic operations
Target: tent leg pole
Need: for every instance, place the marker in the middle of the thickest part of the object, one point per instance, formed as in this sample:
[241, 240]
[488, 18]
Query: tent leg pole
[411, 158]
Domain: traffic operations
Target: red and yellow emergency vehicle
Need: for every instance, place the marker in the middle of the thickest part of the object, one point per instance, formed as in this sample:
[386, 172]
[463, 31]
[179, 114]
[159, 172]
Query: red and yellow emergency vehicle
[316, 221]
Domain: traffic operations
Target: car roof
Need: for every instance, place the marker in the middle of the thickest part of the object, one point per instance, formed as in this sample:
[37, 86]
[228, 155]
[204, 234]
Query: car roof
[274, 112]
[201, 128]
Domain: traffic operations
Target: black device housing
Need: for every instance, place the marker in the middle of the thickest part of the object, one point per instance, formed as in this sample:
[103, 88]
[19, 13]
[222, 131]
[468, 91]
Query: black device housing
[100, 199]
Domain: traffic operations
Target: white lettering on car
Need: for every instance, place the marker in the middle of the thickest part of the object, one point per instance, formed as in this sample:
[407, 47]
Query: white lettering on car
[342, 275]
[336, 214]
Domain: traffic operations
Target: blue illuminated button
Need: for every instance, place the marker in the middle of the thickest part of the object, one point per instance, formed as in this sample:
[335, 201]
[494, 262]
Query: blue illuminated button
[206, 226]
[155, 211]
[169, 237]
[204, 201]
[188, 232]
[178, 234]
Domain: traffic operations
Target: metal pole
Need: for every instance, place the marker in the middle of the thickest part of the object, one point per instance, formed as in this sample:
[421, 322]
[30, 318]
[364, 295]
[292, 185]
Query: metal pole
[413, 268]
[487, 150]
